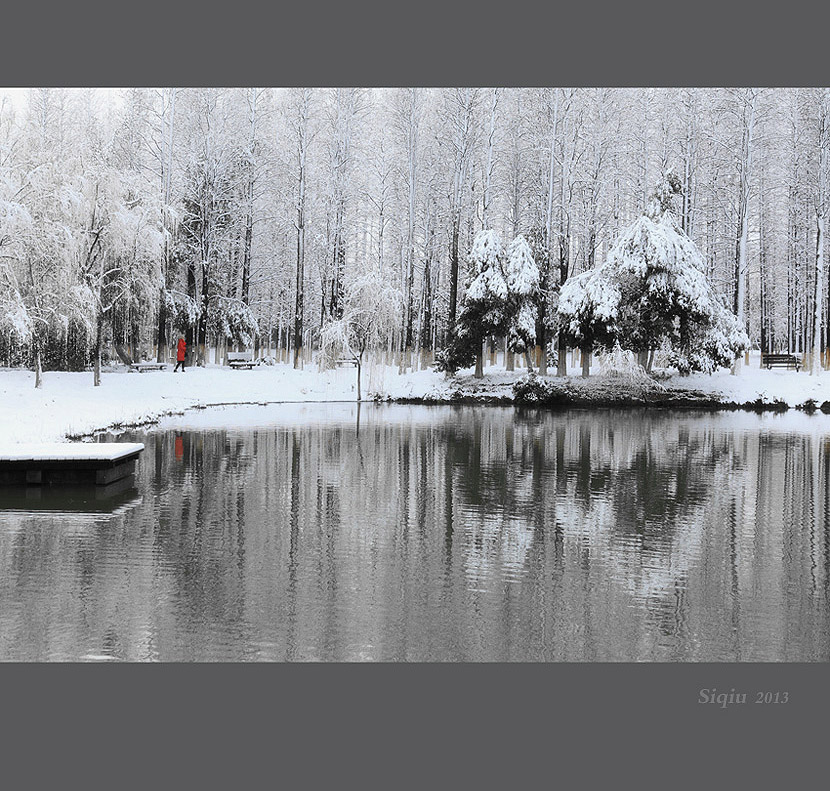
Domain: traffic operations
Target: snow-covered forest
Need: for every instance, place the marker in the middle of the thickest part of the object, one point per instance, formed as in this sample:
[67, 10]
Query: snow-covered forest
[266, 218]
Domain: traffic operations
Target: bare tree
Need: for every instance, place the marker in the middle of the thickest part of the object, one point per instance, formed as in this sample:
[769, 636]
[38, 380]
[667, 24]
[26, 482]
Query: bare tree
[302, 114]
[821, 209]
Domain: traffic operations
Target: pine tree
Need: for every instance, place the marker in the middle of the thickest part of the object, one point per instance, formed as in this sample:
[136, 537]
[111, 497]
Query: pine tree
[653, 289]
[498, 301]
[522, 277]
[483, 307]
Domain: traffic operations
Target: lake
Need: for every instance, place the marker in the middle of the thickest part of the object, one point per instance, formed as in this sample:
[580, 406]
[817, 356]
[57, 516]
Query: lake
[324, 532]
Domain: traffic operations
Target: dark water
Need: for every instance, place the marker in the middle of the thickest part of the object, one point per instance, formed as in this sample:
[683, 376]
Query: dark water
[434, 533]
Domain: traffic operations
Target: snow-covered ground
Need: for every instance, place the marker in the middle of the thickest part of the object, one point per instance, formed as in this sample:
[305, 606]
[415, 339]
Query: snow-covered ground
[752, 382]
[68, 404]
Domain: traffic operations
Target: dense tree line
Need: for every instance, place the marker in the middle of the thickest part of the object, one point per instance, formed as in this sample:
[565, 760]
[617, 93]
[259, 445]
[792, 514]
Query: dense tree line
[249, 216]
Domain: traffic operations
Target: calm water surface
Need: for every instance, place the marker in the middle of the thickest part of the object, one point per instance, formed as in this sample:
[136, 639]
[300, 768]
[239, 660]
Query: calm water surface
[314, 532]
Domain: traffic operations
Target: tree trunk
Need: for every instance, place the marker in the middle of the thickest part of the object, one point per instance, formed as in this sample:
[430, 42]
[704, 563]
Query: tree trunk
[298, 303]
[99, 329]
[743, 220]
[562, 357]
[479, 372]
[544, 284]
[412, 151]
[819, 294]
[453, 277]
[821, 220]
[161, 351]
[38, 367]
[762, 269]
[564, 271]
[301, 185]
[586, 362]
[203, 315]
[190, 333]
[166, 174]
[246, 252]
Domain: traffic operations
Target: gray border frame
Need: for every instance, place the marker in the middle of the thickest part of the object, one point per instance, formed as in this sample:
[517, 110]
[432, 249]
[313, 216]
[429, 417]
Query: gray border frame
[428, 42]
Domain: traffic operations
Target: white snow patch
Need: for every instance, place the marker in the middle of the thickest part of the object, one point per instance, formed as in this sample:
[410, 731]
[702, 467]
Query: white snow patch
[65, 451]
[68, 404]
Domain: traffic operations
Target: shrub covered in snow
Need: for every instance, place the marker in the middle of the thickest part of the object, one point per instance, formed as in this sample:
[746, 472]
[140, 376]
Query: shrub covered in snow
[533, 390]
[621, 364]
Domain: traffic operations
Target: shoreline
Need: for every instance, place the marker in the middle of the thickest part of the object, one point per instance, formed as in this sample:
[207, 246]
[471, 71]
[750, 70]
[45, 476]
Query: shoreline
[675, 401]
[69, 408]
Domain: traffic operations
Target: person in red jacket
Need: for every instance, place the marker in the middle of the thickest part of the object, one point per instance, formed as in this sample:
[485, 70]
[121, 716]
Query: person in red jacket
[181, 350]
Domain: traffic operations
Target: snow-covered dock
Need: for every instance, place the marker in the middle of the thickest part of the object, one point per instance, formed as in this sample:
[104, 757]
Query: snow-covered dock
[55, 462]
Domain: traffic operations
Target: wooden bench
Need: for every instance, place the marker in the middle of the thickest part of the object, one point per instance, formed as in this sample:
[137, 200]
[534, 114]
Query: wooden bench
[241, 360]
[770, 361]
[141, 367]
[343, 361]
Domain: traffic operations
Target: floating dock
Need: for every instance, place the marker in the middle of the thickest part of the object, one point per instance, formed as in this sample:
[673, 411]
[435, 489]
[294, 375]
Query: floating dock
[100, 463]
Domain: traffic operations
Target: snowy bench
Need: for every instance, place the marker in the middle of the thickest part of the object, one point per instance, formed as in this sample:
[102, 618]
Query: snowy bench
[141, 367]
[770, 361]
[343, 361]
[241, 359]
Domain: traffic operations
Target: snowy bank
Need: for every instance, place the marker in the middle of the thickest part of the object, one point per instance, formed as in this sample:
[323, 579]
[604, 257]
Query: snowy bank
[69, 406]
[751, 387]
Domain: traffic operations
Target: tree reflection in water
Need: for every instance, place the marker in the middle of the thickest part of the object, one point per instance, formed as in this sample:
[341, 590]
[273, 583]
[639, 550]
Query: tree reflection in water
[441, 533]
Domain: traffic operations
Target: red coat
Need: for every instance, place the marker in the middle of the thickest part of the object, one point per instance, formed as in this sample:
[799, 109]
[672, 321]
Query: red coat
[180, 350]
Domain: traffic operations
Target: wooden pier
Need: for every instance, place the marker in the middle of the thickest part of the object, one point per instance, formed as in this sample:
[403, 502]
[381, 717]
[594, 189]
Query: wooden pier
[99, 463]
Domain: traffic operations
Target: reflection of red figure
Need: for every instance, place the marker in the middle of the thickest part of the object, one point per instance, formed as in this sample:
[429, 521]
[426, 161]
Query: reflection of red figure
[179, 448]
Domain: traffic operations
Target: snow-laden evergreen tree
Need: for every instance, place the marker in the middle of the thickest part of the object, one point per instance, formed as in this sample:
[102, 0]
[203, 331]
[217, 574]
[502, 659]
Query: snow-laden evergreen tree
[498, 301]
[231, 318]
[653, 288]
[522, 277]
[488, 285]
[484, 307]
